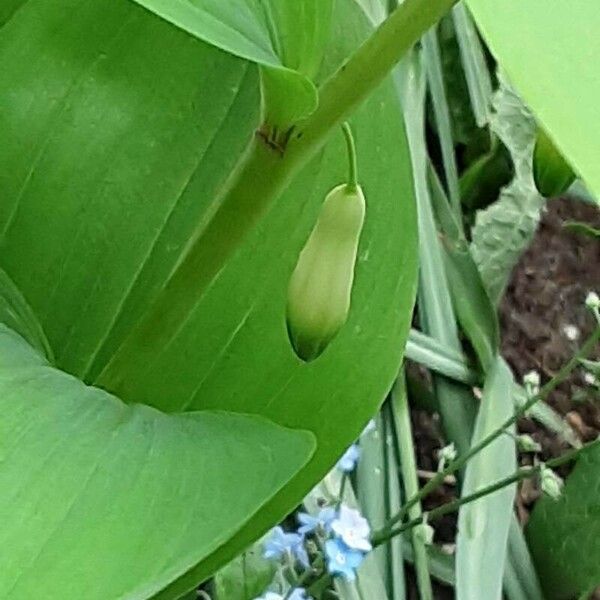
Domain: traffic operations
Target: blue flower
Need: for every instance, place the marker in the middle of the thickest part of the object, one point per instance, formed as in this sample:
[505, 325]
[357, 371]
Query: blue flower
[349, 459]
[323, 520]
[342, 560]
[281, 544]
[353, 529]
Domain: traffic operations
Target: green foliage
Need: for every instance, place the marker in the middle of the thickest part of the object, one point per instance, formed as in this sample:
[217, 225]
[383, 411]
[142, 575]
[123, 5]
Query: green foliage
[105, 500]
[546, 54]
[553, 176]
[483, 526]
[246, 577]
[563, 534]
[287, 38]
[107, 174]
[503, 231]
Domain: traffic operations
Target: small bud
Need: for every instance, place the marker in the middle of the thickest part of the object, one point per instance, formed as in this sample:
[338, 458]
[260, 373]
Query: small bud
[526, 443]
[590, 378]
[592, 301]
[552, 484]
[446, 455]
[321, 285]
[531, 381]
[425, 531]
[552, 174]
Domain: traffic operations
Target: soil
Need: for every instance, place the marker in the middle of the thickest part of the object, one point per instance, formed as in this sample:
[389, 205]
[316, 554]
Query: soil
[543, 320]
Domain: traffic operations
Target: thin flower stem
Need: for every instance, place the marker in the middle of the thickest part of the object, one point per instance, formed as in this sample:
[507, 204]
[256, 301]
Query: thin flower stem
[308, 573]
[457, 464]
[343, 482]
[352, 157]
[523, 473]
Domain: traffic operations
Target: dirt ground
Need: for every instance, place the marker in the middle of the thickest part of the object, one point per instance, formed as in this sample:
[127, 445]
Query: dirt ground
[543, 320]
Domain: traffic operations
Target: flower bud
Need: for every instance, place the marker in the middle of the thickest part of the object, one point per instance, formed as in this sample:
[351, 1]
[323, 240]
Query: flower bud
[552, 484]
[553, 176]
[320, 287]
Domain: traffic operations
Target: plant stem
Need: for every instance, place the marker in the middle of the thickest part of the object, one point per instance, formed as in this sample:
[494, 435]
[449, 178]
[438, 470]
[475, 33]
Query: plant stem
[457, 464]
[406, 454]
[523, 473]
[352, 158]
[262, 175]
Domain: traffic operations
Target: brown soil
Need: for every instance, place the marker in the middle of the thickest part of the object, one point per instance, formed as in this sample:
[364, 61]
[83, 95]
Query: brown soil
[542, 309]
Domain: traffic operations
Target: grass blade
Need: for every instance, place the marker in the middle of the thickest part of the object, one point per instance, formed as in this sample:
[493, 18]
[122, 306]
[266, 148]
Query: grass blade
[474, 65]
[435, 308]
[483, 526]
[441, 359]
[406, 452]
[437, 90]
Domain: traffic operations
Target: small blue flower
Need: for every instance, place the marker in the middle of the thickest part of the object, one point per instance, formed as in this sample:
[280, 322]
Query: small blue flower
[349, 459]
[322, 521]
[353, 529]
[281, 544]
[342, 560]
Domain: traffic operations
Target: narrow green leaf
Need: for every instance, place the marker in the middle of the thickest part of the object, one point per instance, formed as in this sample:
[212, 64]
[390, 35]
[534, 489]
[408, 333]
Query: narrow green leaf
[408, 467]
[563, 534]
[552, 69]
[583, 229]
[435, 307]
[104, 500]
[470, 299]
[474, 64]
[17, 315]
[439, 358]
[483, 525]
[371, 484]
[437, 89]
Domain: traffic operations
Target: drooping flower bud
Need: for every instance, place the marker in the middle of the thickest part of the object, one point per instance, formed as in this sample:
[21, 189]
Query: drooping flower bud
[321, 285]
[552, 175]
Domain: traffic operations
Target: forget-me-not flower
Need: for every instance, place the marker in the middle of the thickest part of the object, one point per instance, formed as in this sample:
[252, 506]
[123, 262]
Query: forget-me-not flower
[353, 529]
[323, 520]
[349, 459]
[342, 560]
[281, 544]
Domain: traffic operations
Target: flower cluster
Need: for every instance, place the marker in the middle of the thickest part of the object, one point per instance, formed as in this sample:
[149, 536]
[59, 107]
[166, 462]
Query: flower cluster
[337, 536]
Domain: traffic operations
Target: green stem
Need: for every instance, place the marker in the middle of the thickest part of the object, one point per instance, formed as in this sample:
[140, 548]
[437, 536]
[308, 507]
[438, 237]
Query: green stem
[352, 157]
[384, 536]
[408, 465]
[461, 461]
[262, 175]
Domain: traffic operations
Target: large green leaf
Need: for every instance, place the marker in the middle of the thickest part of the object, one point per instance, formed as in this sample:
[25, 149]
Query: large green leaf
[564, 533]
[104, 500]
[287, 37]
[553, 67]
[118, 130]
